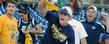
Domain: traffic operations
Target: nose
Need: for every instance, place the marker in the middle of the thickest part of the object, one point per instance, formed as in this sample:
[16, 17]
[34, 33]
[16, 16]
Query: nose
[89, 13]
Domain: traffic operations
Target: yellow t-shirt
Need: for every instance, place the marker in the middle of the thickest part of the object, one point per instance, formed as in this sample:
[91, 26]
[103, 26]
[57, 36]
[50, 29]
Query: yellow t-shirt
[8, 30]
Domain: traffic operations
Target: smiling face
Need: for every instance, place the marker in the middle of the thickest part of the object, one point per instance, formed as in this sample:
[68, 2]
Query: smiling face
[63, 19]
[91, 14]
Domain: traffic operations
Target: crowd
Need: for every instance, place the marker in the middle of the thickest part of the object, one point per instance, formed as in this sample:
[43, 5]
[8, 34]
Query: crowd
[53, 22]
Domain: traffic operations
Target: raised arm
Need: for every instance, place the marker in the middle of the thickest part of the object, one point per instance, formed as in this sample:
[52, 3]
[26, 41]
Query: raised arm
[42, 7]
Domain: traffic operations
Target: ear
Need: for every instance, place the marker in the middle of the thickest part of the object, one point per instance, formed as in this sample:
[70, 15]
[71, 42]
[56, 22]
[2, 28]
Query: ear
[70, 18]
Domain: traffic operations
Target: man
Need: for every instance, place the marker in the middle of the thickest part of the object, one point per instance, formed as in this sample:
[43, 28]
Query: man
[79, 31]
[64, 18]
[8, 25]
[64, 28]
[93, 28]
[80, 34]
[25, 22]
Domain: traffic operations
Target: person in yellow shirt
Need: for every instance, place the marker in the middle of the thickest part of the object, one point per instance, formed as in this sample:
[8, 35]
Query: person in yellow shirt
[8, 25]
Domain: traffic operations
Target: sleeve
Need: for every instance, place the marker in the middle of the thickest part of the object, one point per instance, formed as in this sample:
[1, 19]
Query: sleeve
[101, 28]
[82, 32]
[52, 16]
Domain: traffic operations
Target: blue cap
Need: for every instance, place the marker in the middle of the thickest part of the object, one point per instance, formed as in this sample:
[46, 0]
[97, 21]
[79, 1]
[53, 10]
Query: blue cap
[64, 11]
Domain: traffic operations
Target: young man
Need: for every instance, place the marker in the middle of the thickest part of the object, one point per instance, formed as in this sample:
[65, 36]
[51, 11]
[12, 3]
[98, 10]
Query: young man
[8, 25]
[64, 30]
[93, 28]
[64, 18]
[80, 34]
[27, 25]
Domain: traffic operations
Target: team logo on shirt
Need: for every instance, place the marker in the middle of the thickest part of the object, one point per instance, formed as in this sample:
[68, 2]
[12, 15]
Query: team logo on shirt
[12, 36]
[93, 27]
[11, 27]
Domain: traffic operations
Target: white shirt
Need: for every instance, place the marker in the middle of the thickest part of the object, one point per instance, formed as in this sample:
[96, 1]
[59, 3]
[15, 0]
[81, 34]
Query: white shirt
[78, 30]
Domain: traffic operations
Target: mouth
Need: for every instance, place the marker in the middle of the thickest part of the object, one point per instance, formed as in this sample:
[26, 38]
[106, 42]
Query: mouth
[62, 19]
[90, 16]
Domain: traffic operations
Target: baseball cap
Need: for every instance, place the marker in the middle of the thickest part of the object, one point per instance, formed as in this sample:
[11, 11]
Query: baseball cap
[93, 8]
[66, 10]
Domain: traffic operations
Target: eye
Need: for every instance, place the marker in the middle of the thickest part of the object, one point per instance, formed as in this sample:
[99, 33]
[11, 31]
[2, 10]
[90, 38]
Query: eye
[92, 12]
[13, 6]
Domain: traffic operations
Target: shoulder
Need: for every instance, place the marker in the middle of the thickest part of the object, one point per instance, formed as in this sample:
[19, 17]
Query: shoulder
[52, 13]
[3, 17]
[78, 28]
[76, 24]
[83, 21]
[72, 21]
[100, 25]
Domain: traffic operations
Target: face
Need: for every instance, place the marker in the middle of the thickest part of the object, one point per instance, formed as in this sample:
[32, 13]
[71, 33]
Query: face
[63, 19]
[11, 8]
[24, 16]
[91, 14]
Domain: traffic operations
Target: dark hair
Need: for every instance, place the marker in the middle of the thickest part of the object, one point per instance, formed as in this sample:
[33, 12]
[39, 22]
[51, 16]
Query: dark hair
[23, 11]
[9, 2]
[29, 19]
[26, 13]
[74, 5]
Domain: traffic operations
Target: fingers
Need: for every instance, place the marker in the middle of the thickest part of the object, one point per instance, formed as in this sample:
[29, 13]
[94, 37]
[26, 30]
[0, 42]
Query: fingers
[26, 32]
